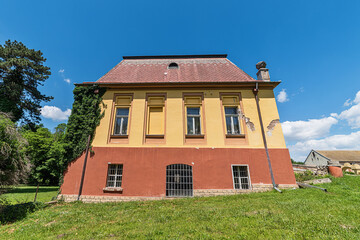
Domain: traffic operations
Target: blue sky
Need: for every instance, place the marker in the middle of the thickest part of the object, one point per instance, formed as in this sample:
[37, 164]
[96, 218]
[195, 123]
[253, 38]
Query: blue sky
[311, 46]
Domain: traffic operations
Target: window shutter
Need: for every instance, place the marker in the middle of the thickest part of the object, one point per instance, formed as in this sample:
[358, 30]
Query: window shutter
[156, 121]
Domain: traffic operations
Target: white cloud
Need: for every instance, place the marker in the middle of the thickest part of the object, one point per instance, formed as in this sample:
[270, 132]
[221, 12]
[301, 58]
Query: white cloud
[310, 129]
[357, 98]
[351, 115]
[311, 134]
[61, 72]
[300, 150]
[282, 96]
[55, 113]
[348, 102]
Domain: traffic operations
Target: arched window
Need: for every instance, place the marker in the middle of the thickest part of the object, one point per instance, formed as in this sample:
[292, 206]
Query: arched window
[179, 181]
[173, 65]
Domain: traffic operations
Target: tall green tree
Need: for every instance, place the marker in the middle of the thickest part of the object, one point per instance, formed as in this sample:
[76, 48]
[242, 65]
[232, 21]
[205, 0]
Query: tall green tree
[22, 71]
[14, 165]
[46, 151]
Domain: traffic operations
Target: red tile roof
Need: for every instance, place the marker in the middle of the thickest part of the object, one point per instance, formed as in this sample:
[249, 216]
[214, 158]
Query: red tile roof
[196, 68]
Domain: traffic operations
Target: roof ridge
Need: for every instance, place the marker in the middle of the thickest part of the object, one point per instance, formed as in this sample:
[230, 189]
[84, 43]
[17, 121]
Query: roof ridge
[176, 56]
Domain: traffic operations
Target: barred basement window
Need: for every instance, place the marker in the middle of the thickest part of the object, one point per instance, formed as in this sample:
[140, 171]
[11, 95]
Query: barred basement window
[179, 181]
[241, 177]
[114, 178]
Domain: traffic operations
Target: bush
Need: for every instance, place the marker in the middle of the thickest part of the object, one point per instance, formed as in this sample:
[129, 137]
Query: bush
[308, 175]
[14, 165]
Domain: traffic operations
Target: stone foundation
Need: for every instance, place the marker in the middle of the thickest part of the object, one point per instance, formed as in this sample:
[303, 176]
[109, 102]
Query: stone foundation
[197, 193]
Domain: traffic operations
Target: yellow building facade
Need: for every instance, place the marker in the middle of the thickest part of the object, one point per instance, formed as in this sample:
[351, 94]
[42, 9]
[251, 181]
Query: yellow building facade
[172, 122]
[180, 126]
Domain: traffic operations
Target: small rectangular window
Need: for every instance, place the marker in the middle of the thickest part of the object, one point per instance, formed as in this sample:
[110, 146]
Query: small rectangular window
[114, 178]
[241, 177]
[232, 120]
[121, 121]
[121, 117]
[193, 111]
[193, 121]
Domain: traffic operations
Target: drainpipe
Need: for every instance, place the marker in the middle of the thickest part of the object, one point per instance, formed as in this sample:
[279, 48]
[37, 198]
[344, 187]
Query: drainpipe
[84, 167]
[255, 91]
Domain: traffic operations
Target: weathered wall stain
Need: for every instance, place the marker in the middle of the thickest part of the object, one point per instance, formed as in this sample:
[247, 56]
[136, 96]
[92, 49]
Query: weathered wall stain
[248, 123]
[271, 126]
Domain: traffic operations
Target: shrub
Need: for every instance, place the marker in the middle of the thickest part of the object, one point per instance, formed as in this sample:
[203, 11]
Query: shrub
[308, 175]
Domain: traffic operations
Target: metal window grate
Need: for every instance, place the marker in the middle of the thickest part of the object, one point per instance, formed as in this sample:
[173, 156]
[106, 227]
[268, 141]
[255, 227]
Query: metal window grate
[179, 180]
[114, 178]
[241, 177]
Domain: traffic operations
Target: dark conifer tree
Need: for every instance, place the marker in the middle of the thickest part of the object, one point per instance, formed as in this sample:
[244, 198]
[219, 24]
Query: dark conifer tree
[22, 70]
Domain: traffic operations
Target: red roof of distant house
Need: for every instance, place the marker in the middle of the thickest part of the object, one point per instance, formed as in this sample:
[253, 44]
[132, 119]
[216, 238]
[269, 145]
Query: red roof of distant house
[191, 68]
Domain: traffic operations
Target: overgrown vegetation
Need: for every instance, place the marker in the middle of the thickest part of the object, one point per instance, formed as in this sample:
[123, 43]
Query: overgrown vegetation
[294, 214]
[308, 175]
[85, 116]
[14, 165]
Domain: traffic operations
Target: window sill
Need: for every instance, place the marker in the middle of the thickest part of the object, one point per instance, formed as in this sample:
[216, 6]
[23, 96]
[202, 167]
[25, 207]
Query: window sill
[161, 136]
[119, 136]
[194, 136]
[235, 135]
[112, 189]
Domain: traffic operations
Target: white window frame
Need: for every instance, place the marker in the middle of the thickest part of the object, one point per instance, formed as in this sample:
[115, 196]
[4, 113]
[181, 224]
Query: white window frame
[232, 116]
[249, 178]
[115, 175]
[193, 116]
[122, 120]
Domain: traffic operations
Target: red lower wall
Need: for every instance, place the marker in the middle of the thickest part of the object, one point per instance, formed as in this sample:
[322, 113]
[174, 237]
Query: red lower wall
[144, 169]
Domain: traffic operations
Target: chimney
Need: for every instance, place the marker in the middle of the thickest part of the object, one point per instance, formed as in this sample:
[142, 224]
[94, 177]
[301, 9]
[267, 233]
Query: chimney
[263, 72]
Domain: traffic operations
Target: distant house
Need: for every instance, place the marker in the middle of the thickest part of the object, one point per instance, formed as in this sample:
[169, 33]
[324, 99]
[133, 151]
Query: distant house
[182, 126]
[332, 157]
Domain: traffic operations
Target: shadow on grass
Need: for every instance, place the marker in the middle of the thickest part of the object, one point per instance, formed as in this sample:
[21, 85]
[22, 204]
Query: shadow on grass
[13, 213]
[32, 189]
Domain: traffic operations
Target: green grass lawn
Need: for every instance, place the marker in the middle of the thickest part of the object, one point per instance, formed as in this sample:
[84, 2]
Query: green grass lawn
[294, 214]
[24, 194]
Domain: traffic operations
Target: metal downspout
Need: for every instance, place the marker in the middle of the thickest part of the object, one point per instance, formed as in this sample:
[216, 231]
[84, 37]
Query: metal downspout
[255, 91]
[84, 167]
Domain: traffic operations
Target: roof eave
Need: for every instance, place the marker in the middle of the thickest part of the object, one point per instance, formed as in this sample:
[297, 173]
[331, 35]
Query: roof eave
[181, 84]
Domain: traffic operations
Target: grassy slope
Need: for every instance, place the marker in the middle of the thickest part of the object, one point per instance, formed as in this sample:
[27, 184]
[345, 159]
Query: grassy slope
[27, 193]
[295, 214]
